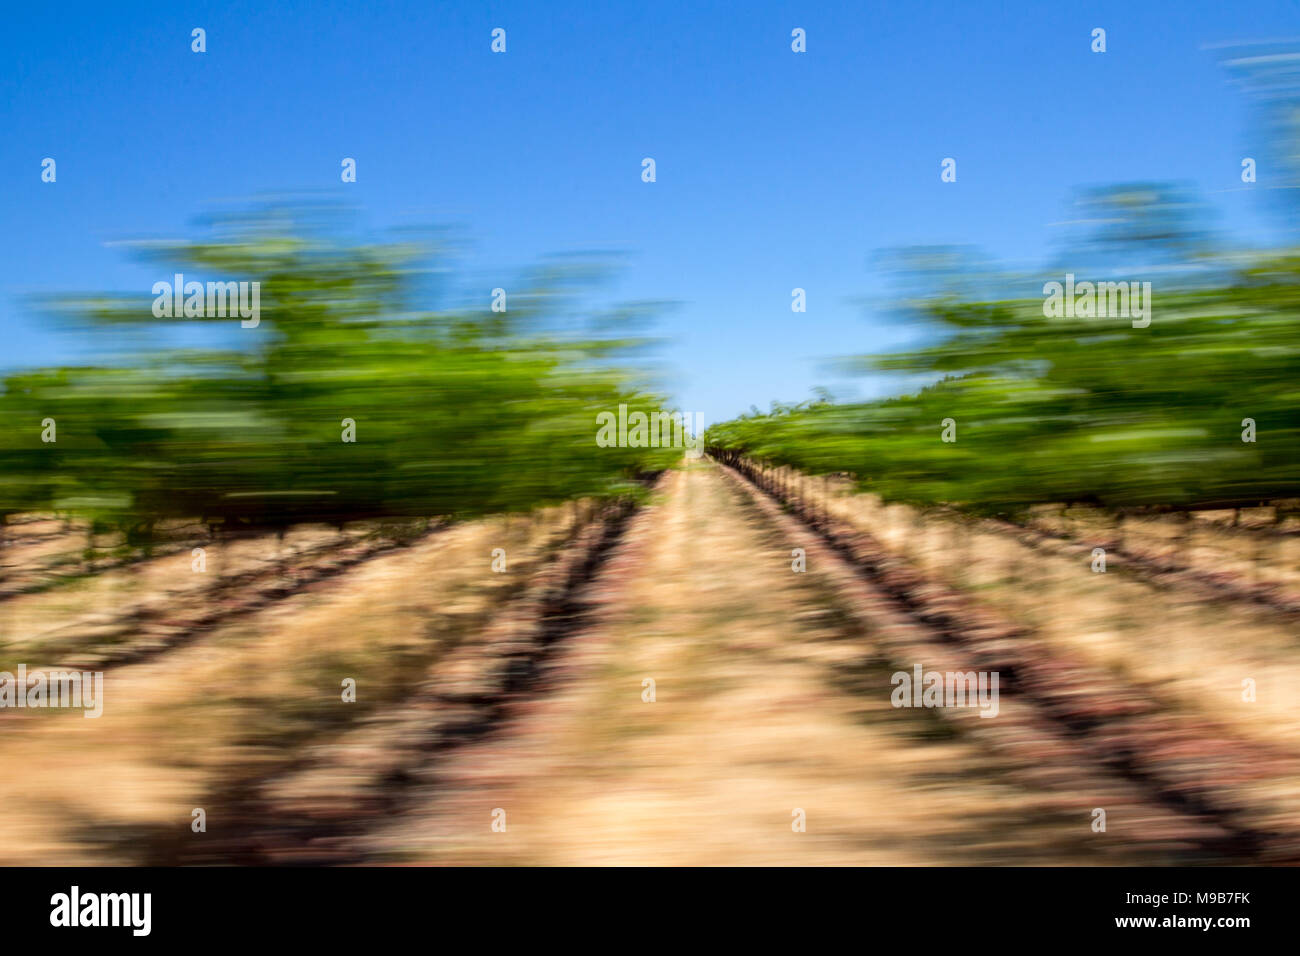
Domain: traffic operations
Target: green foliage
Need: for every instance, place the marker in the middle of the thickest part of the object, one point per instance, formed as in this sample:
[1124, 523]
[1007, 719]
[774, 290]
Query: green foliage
[1075, 409]
[456, 413]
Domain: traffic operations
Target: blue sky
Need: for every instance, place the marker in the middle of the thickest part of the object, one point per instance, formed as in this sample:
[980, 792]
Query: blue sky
[775, 169]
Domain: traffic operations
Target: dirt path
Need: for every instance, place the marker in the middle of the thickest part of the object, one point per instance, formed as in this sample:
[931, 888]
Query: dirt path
[769, 705]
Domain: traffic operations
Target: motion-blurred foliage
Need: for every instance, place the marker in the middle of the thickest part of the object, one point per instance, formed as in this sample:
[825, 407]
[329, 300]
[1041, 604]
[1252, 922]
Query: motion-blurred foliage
[1074, 409]
[1092, 409]
[457, 413]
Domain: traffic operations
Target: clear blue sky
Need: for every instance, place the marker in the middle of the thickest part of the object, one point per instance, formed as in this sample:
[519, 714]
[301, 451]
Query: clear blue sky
[775, 169]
